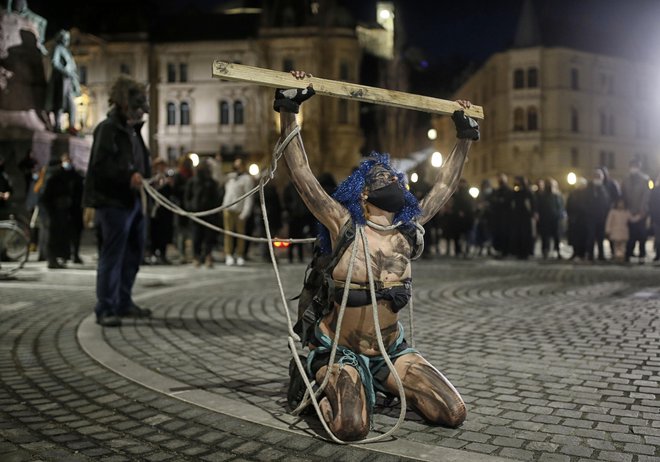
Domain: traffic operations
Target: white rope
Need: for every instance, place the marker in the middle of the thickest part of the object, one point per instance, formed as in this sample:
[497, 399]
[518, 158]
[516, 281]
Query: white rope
[373, 225]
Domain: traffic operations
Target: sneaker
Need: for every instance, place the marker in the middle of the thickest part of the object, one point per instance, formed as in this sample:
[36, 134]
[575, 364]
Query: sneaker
[108, 320]
[229, 260]
[240, 261]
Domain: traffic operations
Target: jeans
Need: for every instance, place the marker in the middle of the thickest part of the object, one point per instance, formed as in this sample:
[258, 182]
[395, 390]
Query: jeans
[123, 233]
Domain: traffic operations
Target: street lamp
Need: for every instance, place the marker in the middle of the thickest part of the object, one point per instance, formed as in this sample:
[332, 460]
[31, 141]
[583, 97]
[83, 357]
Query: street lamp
[571, 178]
[414, 177]
[432, 134]
[474, 192]
[436, 159]
[194, 158]
[253, 169]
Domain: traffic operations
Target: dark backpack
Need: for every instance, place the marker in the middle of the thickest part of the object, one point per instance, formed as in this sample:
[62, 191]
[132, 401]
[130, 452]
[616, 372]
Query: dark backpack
[318, 294]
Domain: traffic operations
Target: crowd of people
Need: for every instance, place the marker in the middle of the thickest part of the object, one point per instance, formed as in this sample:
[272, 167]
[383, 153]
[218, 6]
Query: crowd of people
[600, 219]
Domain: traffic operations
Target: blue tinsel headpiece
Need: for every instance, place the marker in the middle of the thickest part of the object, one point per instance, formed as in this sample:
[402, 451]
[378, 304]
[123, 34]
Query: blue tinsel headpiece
[349, 191]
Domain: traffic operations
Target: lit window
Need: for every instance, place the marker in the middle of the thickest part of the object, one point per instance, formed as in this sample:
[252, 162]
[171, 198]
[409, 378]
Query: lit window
[171, 113]
[185, 113]
[238, 113]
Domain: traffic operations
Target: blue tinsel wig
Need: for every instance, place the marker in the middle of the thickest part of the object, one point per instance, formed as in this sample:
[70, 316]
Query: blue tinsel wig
[349, 191]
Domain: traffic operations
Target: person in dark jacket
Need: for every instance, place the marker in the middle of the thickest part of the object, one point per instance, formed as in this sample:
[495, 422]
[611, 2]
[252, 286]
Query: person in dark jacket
[6, 190]
[523, 209]
[576, 205]
[119, 161]
[162, 220]
[550, 209]
[500, 211]
[299, 220]
[597, 207]
[203, 193]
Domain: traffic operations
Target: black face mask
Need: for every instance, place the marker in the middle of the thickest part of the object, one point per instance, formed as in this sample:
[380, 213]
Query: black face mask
[389, 198]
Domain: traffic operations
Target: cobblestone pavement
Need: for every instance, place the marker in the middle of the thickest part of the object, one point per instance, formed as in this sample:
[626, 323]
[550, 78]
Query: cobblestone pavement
[556, 362]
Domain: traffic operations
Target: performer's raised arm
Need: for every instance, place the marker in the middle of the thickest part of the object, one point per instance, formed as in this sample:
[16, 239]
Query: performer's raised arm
[467, 131]
[328, 211]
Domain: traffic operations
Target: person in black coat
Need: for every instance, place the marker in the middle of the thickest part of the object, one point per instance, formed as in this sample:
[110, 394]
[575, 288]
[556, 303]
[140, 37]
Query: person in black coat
[161, 229]
[597, 207]
[118, 163]
[203, 193]
[576, 210]
[550, 209]
[523, 209]
[499, 209]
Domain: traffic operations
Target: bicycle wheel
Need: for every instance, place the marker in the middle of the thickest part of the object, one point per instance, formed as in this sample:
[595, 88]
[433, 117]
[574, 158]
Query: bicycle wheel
[14, 248]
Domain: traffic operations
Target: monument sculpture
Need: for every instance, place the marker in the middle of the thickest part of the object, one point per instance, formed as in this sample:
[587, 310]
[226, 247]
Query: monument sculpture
[64, 84]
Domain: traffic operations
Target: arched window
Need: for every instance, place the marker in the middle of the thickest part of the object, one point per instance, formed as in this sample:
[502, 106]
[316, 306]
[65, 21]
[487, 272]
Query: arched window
[519, 119]
[224, 113]
[575, 120]
[171, 113]
[532, 77]
[185, 113]
[238, 113]
[518, 78]
[342, 111]
[532, 118]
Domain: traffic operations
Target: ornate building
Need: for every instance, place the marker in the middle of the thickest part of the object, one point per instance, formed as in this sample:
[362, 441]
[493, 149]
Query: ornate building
[192, 112]
[554, 110]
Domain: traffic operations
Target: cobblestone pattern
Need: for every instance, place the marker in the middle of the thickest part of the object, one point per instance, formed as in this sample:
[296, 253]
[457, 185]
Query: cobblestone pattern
[57, 404]
[555, 362]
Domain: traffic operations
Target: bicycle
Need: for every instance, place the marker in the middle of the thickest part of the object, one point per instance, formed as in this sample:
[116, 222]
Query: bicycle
[14, 247]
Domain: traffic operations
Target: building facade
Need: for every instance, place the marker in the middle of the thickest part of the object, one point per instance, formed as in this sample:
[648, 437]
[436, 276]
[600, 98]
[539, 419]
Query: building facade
[193, 112]
[551, 111]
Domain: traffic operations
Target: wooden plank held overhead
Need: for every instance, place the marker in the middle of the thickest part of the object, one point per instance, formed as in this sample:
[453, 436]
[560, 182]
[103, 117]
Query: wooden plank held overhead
[267, 77]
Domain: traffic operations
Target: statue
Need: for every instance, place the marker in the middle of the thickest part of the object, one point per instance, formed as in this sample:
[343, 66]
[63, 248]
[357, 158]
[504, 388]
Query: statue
[22, 76]
[63, 85]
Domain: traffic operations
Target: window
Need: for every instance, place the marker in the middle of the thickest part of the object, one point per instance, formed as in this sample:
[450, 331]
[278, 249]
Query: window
[575, 79]
[603, 159]
[287, 64]
[518, 78]
[171, 73]
[532, 118]
[183, 72]
[532, 77]
[344, 71]
[171, 113]
[575, 157]
[603, 123]
[519, 119]
[342, 111]
[607, 159]
[238, 113]
[185, 113]
[575, 120]
[224, 113]
[82, 75]
[238, 149]
[124, 69]
[610, 124]
[171, 153]
[484, 163]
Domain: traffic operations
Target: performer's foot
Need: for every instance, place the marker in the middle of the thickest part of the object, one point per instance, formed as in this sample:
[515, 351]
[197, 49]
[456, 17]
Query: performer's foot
[297, 387]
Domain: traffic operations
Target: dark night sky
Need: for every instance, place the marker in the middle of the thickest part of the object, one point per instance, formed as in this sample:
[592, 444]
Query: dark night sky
[446, 32]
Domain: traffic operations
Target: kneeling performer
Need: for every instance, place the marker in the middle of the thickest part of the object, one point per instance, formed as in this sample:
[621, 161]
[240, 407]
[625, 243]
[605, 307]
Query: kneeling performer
[376, 198]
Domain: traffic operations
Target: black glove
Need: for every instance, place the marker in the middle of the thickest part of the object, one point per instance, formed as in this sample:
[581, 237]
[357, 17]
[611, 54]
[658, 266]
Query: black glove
[466, 127]
[289, 100]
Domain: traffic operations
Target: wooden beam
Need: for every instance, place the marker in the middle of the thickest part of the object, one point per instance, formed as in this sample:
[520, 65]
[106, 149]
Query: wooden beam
[242, 73]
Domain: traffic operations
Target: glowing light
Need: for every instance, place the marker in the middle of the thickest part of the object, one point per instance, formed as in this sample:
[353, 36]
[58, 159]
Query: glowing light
[474, 192]
[651, 184]
[432, 133]
[436, 159]
[279, 244]
[571, 178]
[194, 158]
[253, 169]
[385, 14]
[414, 177]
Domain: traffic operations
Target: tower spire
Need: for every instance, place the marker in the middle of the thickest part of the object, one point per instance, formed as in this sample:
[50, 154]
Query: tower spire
[528, 33]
